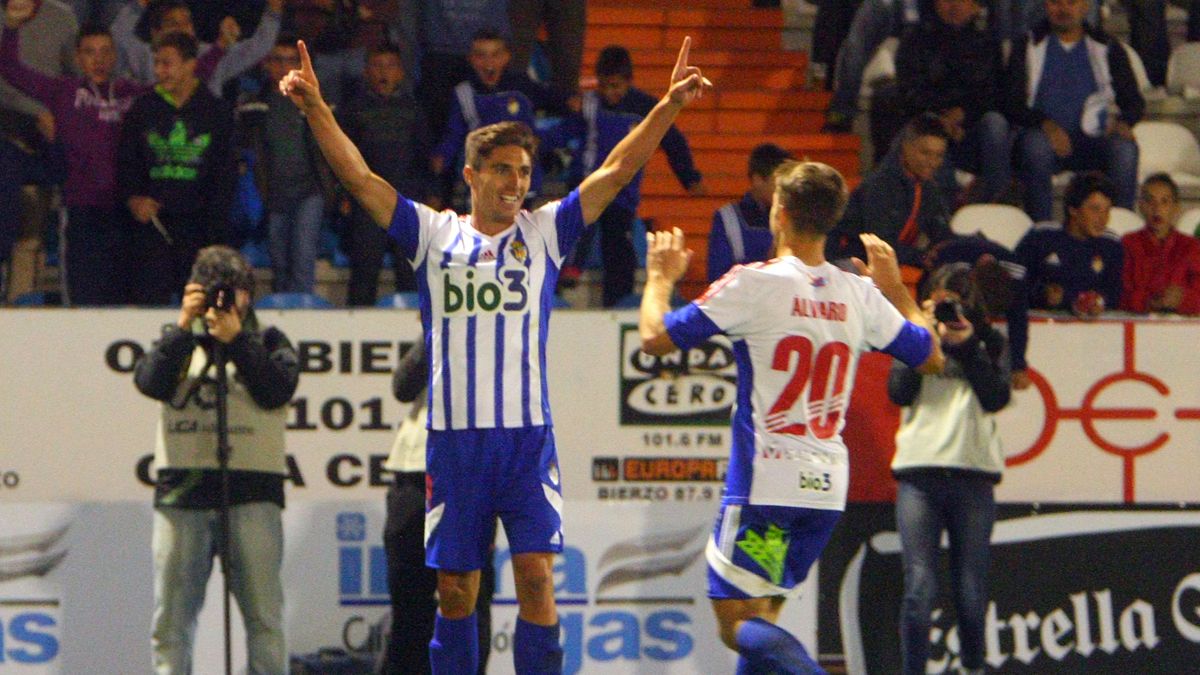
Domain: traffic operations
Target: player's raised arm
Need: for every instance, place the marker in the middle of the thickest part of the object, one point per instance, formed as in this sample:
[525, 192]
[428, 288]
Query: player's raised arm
[375, 195]
[666, 262]
[632, 153]
[883, 268]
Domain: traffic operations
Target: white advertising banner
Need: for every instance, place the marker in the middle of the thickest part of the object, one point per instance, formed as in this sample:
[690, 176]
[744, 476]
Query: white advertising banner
[642, 444]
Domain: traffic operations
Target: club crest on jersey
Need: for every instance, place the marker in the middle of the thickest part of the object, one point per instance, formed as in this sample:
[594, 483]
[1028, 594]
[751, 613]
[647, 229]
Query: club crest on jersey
[1097, 264]
[518, 251]
[514, 107]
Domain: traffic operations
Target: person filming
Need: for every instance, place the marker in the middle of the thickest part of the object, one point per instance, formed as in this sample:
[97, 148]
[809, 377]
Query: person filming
[180, 370]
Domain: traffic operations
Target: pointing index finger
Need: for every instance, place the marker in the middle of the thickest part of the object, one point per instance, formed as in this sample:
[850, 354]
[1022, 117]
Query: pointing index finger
[682, 61]
[305, 60]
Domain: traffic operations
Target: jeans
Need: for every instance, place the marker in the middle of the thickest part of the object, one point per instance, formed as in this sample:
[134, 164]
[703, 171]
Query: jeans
[294, 236]
[1116, 156]
[94, 258]
[986, 151]
[963, 505]
[185, 542]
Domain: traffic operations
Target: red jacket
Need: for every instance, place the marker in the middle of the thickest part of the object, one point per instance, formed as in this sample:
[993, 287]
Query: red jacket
[1152, 265]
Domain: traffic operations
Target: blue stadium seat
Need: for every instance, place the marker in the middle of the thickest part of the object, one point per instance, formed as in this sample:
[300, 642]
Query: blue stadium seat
[559, 302]
[30, 299]
[408, 300]
[292, 301]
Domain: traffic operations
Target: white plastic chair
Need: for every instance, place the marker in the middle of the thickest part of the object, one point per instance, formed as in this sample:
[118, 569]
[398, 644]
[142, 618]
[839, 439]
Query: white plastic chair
[1170, 148]
[1189, 221]
[1123, 221]
[1183, 68]
[1000, 223]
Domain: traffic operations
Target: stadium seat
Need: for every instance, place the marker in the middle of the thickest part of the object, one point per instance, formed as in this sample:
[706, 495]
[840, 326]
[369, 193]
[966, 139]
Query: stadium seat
[30, 299]
[1000, 223]
[292, 301]
[1183, 69]
[407, 300]
[1123, 221]
[1168, 147]
[1189, 222]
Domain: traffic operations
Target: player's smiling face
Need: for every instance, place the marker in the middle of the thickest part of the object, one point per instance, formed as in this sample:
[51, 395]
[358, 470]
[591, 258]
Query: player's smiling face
[498, 187]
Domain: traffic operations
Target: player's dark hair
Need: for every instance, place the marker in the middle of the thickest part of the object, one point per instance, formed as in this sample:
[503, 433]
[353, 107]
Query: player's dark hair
[482, 141]
[614, 60]
[812, 194]
[765, 158]
[181, 42]
[1161, 179]
[1084, 185]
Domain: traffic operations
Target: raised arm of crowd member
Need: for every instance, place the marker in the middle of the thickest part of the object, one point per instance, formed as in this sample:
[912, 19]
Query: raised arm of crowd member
[52, 27]
[242, 55]
[379, 199]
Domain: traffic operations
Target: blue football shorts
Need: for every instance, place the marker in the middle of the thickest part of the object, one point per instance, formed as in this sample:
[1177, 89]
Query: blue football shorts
[764, 551]
[474, 476]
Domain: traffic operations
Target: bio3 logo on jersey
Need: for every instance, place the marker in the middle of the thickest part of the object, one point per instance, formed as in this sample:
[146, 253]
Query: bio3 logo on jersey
[693, 387]
[29, 615]
[470, 291]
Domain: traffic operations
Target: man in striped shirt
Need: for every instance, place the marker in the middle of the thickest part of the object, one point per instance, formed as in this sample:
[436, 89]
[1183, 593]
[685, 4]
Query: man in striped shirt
[486, 280]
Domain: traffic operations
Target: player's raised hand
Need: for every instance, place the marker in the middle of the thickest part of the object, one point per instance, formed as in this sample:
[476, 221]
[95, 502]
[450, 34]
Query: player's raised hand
[666, 255]
[301, 85]
[687, 82]
[881, 265]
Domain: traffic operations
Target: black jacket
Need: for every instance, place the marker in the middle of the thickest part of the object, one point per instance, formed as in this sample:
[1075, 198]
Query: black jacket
[881, 205]
[392, 133]
[183, 157]
[939, 67]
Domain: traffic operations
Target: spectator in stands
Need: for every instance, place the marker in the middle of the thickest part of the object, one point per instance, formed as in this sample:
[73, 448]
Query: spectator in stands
[493, 93]
[1149, 34]
[899, 201]
[614, 75]
[1072, 93]
[175, 172]
[390, 130]
[1075, 268]
[948, 66]
[830, 26]
[220, 62]
[99, 12]
[448, 29]
[564, 21]
[48, 46]
[592, 134]
[328, 28]
[20, 165]
[291, 176]
[741, 231]
[1162, 266]
[88, 111]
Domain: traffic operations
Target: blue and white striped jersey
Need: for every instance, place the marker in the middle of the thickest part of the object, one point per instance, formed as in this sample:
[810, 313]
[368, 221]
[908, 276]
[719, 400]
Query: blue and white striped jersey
[485, 304]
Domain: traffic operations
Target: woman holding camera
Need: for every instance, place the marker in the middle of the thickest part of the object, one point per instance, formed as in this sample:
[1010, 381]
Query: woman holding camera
[948, 460]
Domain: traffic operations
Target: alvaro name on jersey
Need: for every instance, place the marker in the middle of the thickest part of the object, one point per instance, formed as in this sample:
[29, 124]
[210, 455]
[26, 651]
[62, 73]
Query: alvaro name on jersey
[485, 301]
[797, 333]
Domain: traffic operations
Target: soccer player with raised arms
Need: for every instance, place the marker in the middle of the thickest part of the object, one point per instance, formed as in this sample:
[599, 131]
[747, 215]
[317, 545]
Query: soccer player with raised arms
[798, 325]
[486, 280]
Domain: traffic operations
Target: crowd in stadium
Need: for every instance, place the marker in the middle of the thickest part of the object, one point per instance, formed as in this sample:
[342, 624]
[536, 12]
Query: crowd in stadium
[989, 102]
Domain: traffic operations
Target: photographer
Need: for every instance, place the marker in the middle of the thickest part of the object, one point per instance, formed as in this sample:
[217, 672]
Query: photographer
[179, 370]
[948, 460]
